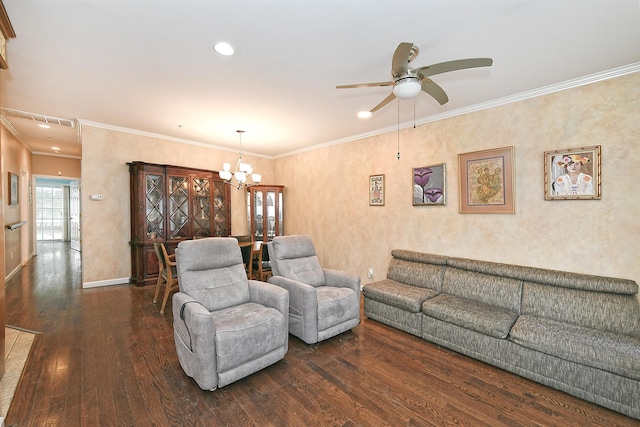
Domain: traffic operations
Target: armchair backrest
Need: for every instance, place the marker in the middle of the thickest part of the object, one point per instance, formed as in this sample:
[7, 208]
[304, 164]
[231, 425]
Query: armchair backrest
[211, 271]
[295, 257]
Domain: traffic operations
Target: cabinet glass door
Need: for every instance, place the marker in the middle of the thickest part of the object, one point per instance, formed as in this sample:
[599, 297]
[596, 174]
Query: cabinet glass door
[179, 207]
[280, 219]
[154, 205]
[201, 207]
[220, 213]
[265, 215]
[271, 215]
[257, 215]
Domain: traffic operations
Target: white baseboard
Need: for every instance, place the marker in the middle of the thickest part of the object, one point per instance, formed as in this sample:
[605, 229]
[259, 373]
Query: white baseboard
[110, 282]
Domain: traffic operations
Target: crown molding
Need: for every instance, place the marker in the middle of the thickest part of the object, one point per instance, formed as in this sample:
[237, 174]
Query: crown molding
[137, 132]
[569, 84]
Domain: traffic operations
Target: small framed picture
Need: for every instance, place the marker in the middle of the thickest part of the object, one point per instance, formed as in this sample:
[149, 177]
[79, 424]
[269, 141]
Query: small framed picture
[572, 174]
[376, 190]
[13, 189]
[487, 181]
[428, 185]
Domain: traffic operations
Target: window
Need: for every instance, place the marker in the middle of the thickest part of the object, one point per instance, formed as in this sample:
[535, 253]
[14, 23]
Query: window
[50, 214]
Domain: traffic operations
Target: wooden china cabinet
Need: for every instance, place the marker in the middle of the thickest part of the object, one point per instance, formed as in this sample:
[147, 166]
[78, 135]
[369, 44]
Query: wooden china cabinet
[170, 204]
[264, 213]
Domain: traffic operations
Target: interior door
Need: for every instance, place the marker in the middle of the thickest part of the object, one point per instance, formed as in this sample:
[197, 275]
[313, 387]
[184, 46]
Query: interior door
[74, 214]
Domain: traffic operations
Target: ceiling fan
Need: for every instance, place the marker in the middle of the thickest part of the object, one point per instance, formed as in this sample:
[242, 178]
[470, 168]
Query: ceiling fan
[408, 82]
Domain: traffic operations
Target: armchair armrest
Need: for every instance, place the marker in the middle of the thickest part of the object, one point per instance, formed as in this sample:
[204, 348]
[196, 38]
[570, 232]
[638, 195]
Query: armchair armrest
[342, 279]
[270, 296]
[193, 324]
[299, 294]
[303, 307]
[195, 335]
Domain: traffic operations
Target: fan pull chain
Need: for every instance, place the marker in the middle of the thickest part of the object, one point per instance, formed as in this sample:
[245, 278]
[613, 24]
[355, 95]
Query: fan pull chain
[414, 113]
[398, 129]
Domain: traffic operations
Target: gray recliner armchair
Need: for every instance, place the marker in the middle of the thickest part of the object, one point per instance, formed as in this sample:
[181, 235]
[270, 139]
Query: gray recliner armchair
[322, 302]
[225, 326]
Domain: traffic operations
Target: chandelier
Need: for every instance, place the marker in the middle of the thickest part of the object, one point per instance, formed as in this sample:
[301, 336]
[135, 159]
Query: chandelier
[241, 173]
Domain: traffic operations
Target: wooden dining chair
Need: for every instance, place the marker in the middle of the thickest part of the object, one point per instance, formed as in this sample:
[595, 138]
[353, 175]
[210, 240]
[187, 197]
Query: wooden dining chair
[261, 266]
[167, 274]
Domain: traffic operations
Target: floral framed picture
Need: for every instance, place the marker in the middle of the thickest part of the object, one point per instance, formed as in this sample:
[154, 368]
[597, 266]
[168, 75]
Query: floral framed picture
[429, 185]
[487, 181]
[572, 174]
[376, 190]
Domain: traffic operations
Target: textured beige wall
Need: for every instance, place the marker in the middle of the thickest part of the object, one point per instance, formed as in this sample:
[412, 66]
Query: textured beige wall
[17, 243]
[327, 189]
[55, 166]
[106, 225]
[326, 192]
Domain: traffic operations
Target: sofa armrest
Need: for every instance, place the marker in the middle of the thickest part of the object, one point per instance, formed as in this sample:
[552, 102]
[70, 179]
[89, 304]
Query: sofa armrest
[270, 295]
[342, 279]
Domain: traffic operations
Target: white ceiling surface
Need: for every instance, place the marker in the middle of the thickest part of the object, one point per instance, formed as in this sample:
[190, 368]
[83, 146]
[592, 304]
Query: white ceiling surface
[149, 66]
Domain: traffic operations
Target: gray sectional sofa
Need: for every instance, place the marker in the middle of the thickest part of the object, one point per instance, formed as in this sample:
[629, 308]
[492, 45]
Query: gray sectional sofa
[574, 332]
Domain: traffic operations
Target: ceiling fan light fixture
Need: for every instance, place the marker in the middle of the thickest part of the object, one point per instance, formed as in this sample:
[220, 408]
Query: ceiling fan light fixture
[407, 87]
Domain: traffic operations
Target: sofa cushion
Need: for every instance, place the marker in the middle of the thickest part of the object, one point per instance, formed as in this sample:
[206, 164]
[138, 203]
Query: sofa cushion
[416, 273]
[406, 297]
[246, 332]
[492, 290]
[564, 279]
[616, 313]
[619, 354]
[483, 318]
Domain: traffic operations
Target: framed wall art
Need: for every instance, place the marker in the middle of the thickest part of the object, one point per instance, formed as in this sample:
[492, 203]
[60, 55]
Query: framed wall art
[429, 185]
[572, 174]
[13, 189]
[487, 181]
[376, 190]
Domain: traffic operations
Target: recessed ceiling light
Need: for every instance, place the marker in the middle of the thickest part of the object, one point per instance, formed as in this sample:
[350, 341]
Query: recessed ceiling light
[44, 126]
[224, 48]
[364, 114]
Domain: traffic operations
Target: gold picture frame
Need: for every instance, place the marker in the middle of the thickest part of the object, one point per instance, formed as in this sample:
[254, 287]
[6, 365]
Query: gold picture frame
[376, 190]
[487, 181]
[573, 174]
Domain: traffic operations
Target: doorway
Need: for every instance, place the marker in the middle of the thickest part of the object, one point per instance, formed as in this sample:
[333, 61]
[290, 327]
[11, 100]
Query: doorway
[57, 211]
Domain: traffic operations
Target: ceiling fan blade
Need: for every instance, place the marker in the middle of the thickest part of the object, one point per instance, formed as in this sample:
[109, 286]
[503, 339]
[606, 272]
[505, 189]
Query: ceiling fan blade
[460, 64]
[384, 102]
[400, 63]
[365, 85]
[435, 91]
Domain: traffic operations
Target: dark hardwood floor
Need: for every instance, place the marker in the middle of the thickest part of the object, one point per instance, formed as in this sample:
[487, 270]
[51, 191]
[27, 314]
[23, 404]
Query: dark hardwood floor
[106, 357]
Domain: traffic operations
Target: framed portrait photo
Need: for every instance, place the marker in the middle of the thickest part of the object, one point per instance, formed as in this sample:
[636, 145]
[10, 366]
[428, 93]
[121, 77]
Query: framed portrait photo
[487, 181]
[572, 174]
[429, 185]
[376, 190]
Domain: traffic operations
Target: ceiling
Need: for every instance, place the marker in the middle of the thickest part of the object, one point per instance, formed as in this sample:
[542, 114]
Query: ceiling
[149, 66]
